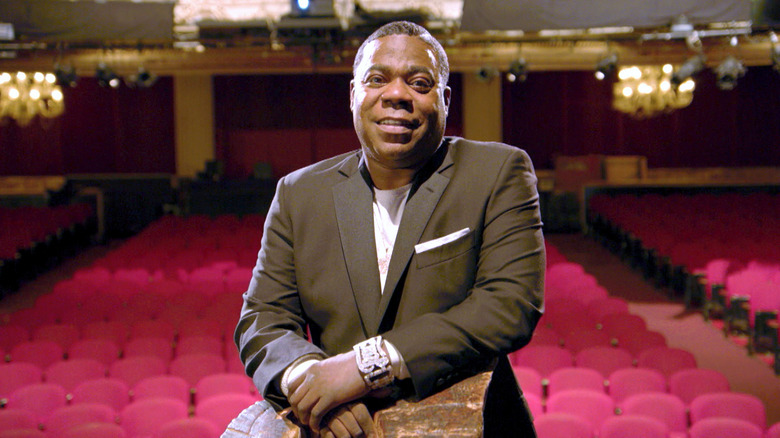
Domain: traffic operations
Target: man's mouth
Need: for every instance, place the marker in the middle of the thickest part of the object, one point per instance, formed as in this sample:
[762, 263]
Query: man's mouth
[398, 126]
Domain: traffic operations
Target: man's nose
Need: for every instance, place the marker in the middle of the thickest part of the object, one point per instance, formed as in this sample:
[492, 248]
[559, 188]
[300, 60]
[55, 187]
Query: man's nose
[397, 93]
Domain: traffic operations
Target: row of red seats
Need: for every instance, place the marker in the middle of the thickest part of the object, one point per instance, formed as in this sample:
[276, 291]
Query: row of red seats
[175, 245]
[21, 228]
[43, 410]
[106, 296]
[722, 258]
[692, 229]
[120, 323]
[583, 374]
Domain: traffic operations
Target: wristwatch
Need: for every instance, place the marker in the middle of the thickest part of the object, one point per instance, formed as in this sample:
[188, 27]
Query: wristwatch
[373, 363]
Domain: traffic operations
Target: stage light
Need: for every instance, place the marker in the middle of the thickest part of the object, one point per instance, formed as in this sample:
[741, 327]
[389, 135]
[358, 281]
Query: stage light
[106, 77]
[518, 71]
[142, 79]
[689, 68]
[66, 75]
[728, 72]
[606, 66]
[486, 74]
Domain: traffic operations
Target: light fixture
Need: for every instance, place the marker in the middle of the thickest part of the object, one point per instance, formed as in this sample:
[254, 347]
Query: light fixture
[728, 72]
[646, 91]
[106, 77]
[26, 95]
[606, 66]
[687, 70]
[66, 75]
[486, 74]
[775, 51]
[143, 78]
[518, 71]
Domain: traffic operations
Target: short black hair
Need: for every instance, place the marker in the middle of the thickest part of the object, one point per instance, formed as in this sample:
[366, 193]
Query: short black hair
[409, 29]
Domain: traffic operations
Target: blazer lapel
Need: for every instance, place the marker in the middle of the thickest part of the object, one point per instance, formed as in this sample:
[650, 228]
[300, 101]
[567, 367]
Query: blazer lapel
[352, 199]
[417, 213]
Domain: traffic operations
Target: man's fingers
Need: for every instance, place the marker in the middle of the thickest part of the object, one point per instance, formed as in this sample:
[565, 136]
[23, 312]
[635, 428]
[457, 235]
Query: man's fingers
[336, 426]
[317, 412]
[363, 418]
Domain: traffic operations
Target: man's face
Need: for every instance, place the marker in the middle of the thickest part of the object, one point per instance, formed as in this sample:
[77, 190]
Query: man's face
[399, 106]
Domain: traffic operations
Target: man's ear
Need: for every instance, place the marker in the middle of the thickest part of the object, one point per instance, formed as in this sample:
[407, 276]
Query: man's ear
[447, 99]
[351, 93]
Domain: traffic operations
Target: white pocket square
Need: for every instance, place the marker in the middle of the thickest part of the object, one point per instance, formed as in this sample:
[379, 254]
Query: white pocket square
[435, 243]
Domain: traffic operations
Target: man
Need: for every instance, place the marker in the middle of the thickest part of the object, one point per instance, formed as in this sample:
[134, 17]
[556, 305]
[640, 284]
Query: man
[414, 262]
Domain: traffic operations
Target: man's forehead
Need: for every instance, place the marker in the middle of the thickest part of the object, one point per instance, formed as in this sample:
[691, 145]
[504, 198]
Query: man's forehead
[410, 49]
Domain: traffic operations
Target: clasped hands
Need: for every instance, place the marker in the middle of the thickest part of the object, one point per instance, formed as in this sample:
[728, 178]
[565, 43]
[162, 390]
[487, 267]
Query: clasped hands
[323, 398]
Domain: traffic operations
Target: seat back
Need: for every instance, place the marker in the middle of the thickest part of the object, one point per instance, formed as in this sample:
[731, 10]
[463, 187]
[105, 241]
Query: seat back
[629, 381]
[559, 424]
[667, 408]
[724, 427]
[146, 417]
[739, 405]
[691, 383]
[109, 391]
[634, 426]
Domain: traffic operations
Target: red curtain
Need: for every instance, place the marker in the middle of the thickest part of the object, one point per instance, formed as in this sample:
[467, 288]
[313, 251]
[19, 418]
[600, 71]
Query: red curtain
[289, 121]
[569, 113]
[103, 130]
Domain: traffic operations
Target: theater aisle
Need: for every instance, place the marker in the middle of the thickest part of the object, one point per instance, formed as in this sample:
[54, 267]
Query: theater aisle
[683, 329]
[42, 284]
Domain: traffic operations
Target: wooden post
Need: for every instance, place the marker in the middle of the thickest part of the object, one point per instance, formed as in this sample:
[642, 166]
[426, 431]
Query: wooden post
[456, 412]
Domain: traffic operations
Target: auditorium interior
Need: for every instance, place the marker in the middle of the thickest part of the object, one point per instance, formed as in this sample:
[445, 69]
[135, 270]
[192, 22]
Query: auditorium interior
[141, 143]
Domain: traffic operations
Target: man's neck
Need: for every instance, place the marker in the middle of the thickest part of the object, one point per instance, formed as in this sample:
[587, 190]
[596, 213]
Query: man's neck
[388, 179]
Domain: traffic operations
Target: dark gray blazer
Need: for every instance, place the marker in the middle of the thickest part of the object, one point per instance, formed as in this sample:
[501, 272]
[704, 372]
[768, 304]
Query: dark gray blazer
[450, 311]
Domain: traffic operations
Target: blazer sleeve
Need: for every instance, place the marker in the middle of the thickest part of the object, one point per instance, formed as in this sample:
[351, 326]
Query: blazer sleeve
[505, 302]
[271, 332]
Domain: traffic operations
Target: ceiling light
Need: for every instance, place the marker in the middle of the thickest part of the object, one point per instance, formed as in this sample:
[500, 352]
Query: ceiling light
[106, 77]
[518, 71]
[606, 66]
[688, 69]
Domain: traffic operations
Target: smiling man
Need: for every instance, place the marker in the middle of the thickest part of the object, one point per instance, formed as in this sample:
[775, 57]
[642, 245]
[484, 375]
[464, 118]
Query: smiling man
[412, 263]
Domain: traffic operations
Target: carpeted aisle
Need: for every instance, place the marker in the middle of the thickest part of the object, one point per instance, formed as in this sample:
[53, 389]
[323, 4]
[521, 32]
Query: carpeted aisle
[683, 329]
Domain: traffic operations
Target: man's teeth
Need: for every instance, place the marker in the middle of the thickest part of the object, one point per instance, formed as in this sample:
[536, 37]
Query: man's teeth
[395, 123]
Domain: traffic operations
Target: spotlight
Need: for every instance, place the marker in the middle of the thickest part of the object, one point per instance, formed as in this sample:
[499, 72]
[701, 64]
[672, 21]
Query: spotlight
[486, 74]
[518, 71]
[106, 77]
[66, 75]
[689, 68]
[728, 72]
[606, 66]
[312, 8]
[142, 79]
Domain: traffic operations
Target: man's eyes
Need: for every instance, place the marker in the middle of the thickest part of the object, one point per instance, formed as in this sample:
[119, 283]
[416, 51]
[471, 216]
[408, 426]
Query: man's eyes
[375, 80]
[421, 85]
